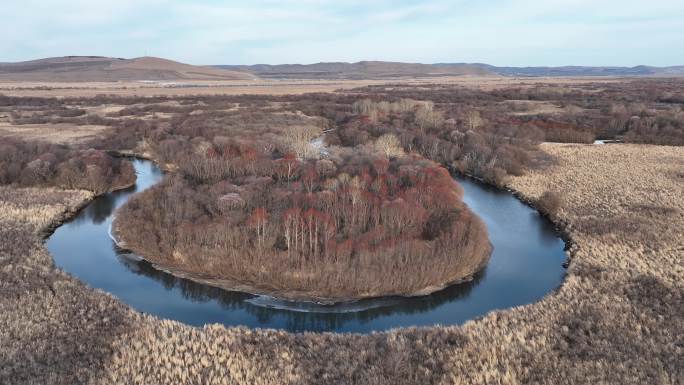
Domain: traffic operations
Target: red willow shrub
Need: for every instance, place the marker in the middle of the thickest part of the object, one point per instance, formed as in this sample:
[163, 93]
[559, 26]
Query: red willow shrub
[353, 225]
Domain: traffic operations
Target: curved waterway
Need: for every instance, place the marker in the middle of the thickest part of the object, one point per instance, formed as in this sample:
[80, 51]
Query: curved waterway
[525, 265]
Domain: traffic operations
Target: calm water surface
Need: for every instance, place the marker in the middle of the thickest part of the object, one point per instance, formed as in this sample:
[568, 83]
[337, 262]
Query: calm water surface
[525, 265]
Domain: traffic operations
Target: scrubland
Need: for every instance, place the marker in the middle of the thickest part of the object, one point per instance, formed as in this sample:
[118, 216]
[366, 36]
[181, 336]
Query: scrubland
[618, 318]
[58, 134]
[263, 87]
[26, 164]
[256, 204]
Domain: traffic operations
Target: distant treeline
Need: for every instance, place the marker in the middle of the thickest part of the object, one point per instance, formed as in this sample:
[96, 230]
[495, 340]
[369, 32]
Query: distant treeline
[485, 133]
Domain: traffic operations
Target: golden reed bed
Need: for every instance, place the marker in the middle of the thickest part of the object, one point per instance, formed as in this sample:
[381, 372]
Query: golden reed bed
[618, 318]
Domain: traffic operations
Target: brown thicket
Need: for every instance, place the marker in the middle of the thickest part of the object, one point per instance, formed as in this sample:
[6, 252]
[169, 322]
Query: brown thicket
[44, 164]
[466, 142]
[266, 191]
[643, 111]
[353, 225]
[227, 142]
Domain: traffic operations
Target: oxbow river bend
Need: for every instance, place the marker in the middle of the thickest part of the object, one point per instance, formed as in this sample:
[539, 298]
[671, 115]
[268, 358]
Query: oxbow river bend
[525, 265]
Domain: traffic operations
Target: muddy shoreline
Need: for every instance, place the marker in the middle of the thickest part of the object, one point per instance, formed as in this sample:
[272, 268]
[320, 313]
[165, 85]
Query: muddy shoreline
[294, 296]
[71, 213]
[302, 296]
[560, 225]
[307, 296]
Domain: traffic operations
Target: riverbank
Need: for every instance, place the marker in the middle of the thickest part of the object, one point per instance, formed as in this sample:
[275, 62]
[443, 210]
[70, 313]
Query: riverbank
[290, 295]
[388, 262]
[616, 319]
[70, 212]
[82, 248]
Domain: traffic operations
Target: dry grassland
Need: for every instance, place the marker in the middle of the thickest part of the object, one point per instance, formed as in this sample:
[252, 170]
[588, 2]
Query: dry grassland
[270, 87]
[618, 318]
[53, 133]
[535, 107]
[36, 209]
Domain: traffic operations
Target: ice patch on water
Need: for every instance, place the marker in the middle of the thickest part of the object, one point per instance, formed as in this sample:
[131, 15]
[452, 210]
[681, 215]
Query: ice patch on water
[314, 307]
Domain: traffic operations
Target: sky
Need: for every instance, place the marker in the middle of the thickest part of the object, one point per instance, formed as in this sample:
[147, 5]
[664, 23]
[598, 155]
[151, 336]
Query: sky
[498, 32]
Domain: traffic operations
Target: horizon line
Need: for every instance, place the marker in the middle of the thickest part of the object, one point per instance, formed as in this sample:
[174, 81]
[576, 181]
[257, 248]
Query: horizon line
[355, 62]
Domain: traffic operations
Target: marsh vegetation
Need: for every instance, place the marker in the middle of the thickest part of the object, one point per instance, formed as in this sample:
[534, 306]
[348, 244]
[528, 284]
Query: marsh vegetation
[44, 164]
[57, 330]
[81, 247]
[621, 204]
[274, 212]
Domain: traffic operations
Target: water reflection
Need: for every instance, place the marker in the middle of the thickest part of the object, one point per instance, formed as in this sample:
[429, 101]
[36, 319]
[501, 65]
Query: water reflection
[100, 209]
[299, 316]
[525, 265]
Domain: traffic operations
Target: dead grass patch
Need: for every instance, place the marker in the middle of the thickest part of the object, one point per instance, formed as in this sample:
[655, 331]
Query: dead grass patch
[53, 133]
[533, 107]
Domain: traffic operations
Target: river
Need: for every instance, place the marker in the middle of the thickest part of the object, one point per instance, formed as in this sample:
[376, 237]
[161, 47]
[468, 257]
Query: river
[525, 265]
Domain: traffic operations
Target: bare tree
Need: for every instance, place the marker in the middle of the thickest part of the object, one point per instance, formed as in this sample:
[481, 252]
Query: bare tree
[389, 146]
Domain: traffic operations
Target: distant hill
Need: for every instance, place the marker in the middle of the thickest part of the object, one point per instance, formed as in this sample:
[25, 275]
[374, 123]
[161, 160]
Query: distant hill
[379, 69]
[584, 71]
[359, 70]
[95, 69]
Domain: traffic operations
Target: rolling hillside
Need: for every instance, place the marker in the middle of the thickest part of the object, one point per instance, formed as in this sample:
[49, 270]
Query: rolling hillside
[359, 70]
[96, 69]
[106, 69]
[378, 69]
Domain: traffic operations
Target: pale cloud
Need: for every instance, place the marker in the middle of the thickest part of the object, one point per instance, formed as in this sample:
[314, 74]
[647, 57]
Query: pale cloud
[502, 32]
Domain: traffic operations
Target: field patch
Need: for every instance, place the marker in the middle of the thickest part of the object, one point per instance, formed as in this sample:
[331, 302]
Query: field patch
[53, 133]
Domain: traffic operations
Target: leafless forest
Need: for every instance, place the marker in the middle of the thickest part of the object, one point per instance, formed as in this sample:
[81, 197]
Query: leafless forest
[486, 133]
